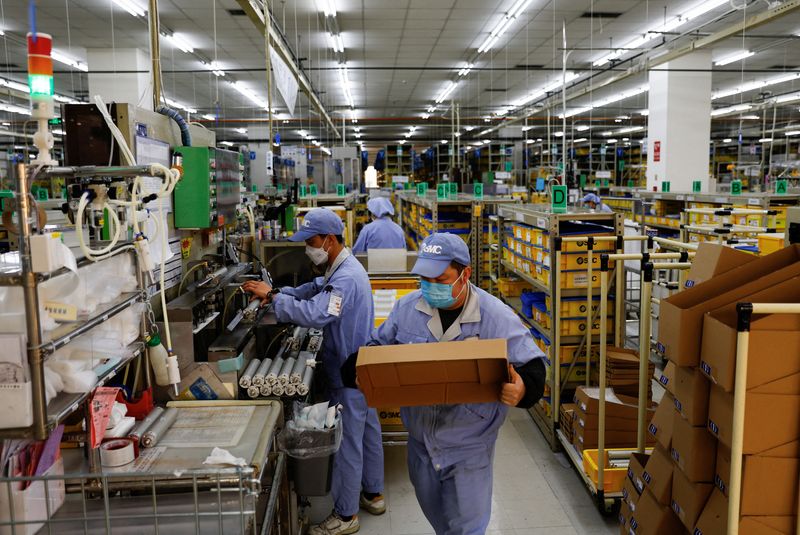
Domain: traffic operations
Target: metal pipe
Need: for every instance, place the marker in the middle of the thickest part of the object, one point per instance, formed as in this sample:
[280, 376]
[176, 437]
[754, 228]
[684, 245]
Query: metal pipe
[589, 296]
[97, 170]
[645, 303]
[556, 355]
[30, 294]
[155, 51]
[601, 411]
[272, 501]
[672, 265]
[676, 244]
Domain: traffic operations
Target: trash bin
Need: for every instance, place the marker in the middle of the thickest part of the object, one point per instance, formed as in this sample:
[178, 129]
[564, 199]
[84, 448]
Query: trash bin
[311, 453]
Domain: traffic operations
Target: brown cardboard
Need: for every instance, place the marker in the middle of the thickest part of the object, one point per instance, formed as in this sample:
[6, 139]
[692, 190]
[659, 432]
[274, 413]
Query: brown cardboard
[688, 498]
[667, 379]
[660, 426]
[774, 340]
[770, 415]
[694, 450]
[723, 467]
[588, 401]
[713, 259]
[652, 518]
[691, 395]
[587, 439]
[470, 371]
[714, 520]
[636, 466]
[201, 382]
[592, 421]
[630, 496]
[657, 475]
[681, 315]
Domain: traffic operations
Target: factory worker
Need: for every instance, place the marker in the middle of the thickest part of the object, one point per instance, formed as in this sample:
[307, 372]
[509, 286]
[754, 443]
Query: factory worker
[340, 303]
[451, 447]
[382, 233]
[593, 201]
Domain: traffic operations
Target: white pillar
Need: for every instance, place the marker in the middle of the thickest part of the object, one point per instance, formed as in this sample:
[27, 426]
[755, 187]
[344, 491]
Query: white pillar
[129, 87]
[679, 123]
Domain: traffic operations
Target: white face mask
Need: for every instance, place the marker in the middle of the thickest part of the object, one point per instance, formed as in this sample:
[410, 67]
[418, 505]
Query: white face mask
[318, 255]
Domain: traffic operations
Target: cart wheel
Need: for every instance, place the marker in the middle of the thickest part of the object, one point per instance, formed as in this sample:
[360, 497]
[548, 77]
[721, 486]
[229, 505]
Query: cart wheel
[608, 507]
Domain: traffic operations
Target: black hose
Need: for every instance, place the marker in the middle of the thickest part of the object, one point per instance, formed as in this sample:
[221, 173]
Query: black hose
[186, 137]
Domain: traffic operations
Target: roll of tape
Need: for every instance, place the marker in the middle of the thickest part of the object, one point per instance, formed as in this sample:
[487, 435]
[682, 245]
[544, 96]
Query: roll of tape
[118, 452]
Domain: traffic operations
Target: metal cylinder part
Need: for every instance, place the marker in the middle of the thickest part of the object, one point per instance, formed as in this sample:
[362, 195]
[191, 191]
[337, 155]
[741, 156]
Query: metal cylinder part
[247, 376]
[274, 370]
[261, 372]
[253, 391]
[291, 390]
[277, 389]
[304, 387]
[266, 390]
[288, 365]
[142, 427]
[160, 428]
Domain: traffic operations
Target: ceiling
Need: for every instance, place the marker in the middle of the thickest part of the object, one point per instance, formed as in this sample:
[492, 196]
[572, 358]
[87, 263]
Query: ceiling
[401, 54]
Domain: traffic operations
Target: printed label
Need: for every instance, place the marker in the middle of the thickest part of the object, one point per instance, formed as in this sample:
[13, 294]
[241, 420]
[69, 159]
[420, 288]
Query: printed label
[713, 427]
[705, 367]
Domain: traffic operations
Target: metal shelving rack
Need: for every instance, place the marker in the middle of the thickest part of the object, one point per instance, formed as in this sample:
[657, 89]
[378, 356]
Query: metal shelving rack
[542, 217]
[482, 210]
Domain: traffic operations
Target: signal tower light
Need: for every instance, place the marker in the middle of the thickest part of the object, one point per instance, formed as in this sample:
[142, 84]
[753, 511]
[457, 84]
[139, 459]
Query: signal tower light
[40, 81]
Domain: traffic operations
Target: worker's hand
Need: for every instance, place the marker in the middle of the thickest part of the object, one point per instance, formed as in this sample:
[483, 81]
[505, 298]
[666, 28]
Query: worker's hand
[514, 391]
[259, 289]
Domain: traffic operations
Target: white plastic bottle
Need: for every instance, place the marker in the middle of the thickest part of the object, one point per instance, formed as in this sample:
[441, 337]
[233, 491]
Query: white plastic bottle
[157, 354]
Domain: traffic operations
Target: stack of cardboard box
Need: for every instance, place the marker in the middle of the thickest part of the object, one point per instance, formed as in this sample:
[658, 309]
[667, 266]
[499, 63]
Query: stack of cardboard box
[694, 419]
[621, 418]
[622, 372]
[566, 420]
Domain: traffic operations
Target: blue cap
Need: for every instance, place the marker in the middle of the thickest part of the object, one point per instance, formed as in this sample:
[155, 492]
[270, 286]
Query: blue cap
[380, 206]
[591, 197]
[436, 253]
[319, 221]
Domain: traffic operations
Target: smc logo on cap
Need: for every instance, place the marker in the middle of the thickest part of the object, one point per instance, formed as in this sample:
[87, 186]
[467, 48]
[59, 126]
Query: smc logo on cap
[435, 249]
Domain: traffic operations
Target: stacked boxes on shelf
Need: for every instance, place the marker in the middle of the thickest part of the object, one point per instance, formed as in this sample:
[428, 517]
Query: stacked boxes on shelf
[621, 420]
[698, 335]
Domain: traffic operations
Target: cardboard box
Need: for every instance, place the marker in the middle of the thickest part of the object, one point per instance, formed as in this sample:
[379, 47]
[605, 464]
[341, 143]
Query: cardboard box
[592, 422]
[688, 498]
[770, 415]
[652, 518]
[660, 426]
[694, 450]
[681, 316]
[657, 475]
[713, 259]
[714, 520]
[202, 383]
[636, 470]
[691, 395]
[470, 371]
[774, 340]
[723, 466]
[588, 401]
[587, 439]
[630, 494]
[667, 379]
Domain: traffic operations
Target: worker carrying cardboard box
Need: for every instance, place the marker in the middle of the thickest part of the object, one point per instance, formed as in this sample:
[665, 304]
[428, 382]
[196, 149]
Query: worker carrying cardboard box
[451, 446]
[382, 233]
[340, 303]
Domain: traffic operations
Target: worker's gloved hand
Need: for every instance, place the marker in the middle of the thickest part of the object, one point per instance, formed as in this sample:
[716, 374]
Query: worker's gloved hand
[258, 289]
[348, 371]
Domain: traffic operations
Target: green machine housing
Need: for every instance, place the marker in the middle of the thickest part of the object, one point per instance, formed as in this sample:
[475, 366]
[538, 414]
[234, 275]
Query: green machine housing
[207, 195]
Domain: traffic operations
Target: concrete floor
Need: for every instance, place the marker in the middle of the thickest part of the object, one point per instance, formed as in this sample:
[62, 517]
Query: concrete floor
[536, 492]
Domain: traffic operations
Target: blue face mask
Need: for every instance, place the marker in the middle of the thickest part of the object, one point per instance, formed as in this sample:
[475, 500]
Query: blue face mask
[439, 294]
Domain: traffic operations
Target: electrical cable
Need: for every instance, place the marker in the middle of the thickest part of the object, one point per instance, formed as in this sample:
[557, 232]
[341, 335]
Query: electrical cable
[191, 270]
[251, 255]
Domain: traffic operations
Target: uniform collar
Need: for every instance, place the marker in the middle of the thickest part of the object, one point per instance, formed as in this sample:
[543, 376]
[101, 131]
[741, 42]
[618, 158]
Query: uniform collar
[471, 313]
[336, 263]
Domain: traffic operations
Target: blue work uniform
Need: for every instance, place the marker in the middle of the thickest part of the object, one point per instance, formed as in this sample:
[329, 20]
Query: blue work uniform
[383, 233]
[603, 207]
[451, 447]
[340, 303]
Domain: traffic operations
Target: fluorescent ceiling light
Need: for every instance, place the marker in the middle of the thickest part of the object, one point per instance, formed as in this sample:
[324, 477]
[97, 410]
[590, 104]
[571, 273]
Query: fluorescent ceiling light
[612, 140]
[501, 27]
[11, 108]
[402, 142]
[335, 42]
[131, 7]
[529, 141]
[580, 140]
[344, 78]
[426, 115]
[177, 105]
[448, 88]
[738, 56]
[644, 112]
[630, 129]
[66, 60]
[751, 117]
[326, 150]
[328, 7]
[787, 98]
[316, 143]
[180, 43]
[582, 128]
[558, 134]
[469, 128]
[765, 140]
[65, 99]
[727, 140]
[11, 84]
[209, 117]
[757, 84]
[792, 133]
[215, 68]
[731, 109]
[465, 70]
[608, 100]
[457, 134]
[241, 130]
[226, 143]
[538, 140]
[542, 91]
[357, 135]
[252, 97]
[700, 8]
[443, 142]
[624, 117]
[526, 128]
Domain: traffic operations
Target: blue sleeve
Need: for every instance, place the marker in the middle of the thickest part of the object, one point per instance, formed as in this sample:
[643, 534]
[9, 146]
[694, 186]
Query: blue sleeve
[361, 242]
[312, 312]
[386, 333]
[520, 344]
[304, 291]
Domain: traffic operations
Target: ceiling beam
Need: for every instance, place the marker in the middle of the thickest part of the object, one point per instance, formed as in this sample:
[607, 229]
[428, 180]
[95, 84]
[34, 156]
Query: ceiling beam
[255, 14]
[646, 64]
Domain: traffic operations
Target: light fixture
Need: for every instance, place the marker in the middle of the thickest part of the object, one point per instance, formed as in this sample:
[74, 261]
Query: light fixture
[526, 128]
[727, 140]
[316, 143]
[448, 88]
[252, 97]
[402, 142]
[542, 91]
[580, 140]
[327, 7]
[443, 142]
[644, 112]
[426, 116]
[179, 42]
[582, 128]
[792, 133]
[66, 60]
[608, 100]
[226, 143]
[529, 141]
[558, 134]
[344, 78]
[765, 140]
[356, 129]
[738, 56]
[326, 150]
[538, 140]
[611, 140]
[730, 109]
[617, 120]
[11, 108]
[431, 109]
[485, 132]
[177, 105]
[209, 117]
[501, 27]
[457, 134]
[626, 139]
[465, 70]
[486, 141]
[787, 98]
[357, 135]
[242, 131]
[215, 68]
[751, 117]
[757, 84]
[131, 7]
[335, 42]
[700, 8]
[630, 129]
[469, 128]
[11, 84]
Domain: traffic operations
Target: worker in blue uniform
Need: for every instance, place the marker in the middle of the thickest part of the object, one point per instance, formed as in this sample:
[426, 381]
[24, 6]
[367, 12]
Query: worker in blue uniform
[595, 203]
[382, 233]
[340, 303]
[451, 447]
